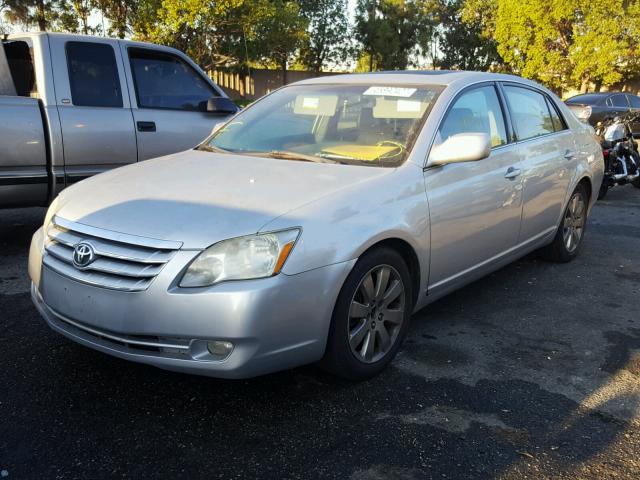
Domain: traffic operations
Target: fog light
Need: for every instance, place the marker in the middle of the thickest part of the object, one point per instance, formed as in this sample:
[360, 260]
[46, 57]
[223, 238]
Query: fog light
[219, 348]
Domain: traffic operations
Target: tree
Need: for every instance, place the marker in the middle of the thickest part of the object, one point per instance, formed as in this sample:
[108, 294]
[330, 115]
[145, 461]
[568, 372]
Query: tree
[462, 44]
[41, 13]
[119, 13]
[563, 43]
[279, 33]
[390, 30]
[328, 39]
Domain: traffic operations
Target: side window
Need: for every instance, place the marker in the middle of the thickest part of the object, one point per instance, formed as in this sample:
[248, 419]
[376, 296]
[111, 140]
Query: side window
[93, 75]
[634, 101]
[19, 59]
[165, 81]
[619, 101]
[475, 111]
[529, 112]
[556, 119]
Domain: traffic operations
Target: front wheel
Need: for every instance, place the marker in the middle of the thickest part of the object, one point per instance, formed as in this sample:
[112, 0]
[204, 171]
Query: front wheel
[604, 189]
[568, 240]
[371, 316]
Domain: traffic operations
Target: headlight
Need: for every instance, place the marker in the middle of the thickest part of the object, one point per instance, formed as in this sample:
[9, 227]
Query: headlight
[243, 258]
[53, 208]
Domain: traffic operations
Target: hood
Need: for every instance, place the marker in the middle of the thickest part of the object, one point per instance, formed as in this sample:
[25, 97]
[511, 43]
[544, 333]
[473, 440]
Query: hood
[199, 198]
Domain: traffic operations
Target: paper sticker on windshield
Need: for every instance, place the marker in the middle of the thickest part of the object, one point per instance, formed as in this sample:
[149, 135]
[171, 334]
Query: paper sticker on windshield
[310, 102]
[409, 106]
[391, 91]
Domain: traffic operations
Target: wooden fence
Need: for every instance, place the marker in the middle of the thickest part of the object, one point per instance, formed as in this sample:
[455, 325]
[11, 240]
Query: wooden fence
[258, 83]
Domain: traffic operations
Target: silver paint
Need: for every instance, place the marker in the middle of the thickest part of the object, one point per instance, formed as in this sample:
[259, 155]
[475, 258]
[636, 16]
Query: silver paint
[460, 220]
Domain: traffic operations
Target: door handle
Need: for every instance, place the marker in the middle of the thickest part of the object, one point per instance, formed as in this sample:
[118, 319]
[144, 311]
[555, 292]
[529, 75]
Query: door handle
[512, 173]
[568, 155]
[146, 126]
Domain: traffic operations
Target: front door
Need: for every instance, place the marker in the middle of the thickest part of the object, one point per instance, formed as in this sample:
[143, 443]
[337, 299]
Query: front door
[474, 207]
[170, 98]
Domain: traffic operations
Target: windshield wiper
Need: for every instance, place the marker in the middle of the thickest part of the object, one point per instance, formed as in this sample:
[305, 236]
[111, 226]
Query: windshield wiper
[286, 155]
[335, 157]
[209, 148]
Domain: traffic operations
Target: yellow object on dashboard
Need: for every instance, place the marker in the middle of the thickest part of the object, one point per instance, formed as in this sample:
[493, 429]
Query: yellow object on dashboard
[362, 152]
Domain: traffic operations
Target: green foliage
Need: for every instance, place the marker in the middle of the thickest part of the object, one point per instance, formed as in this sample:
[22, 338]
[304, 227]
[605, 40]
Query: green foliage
[462, 43]
[562, 43]
[328, 40]
[390, 31]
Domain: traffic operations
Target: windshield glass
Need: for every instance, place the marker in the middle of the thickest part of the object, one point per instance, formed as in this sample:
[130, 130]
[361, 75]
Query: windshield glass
[350, 124]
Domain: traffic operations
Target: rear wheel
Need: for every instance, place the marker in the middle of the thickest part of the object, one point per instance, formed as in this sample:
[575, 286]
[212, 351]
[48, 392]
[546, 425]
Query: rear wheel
[371, 316]
[568, 240]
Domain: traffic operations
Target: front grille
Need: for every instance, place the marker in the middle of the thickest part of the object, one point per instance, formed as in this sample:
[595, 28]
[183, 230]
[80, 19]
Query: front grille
[122, 262]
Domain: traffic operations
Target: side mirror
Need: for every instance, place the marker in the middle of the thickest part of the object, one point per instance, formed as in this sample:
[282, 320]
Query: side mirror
[462, 147]
[221, 105]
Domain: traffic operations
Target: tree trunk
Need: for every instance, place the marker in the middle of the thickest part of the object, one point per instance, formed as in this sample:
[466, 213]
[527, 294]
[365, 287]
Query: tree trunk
[584, 87]
[40, 15]
[598, 85]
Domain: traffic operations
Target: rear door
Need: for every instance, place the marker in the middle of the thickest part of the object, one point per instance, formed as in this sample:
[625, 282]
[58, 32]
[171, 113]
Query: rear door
[94, 109]
[169, 96]
[549, 159]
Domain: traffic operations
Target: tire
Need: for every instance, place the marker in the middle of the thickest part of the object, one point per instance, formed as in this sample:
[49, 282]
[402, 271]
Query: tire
[573, 225]
[362, 319]
[604, 189]
[636, 183]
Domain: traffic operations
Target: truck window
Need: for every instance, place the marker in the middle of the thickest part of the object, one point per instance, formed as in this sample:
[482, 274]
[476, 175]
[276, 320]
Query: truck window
[19, 59]
[163, 80]
[93, 75]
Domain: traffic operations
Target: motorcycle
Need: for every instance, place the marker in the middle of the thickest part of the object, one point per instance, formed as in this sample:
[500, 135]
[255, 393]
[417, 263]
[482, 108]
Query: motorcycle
[621, 157]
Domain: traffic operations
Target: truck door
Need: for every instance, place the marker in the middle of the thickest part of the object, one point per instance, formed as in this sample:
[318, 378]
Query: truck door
[95, 113]
[169, 99]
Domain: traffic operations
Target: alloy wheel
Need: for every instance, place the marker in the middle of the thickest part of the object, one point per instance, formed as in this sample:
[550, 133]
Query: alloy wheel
[574, 221]
[376, 314]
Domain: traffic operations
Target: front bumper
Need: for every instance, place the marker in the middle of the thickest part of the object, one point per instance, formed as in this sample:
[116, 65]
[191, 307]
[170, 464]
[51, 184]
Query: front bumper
[274, 323]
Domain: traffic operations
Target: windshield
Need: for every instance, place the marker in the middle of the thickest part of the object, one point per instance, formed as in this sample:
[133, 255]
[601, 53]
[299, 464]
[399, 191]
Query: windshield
[350, 124]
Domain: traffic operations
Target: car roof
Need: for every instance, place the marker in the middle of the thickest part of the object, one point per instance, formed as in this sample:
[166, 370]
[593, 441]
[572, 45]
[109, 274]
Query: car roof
[78, 37]
[594, 97]
[417, 77]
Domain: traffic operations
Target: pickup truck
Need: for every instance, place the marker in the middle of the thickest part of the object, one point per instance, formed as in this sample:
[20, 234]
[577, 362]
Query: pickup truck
[72, 106]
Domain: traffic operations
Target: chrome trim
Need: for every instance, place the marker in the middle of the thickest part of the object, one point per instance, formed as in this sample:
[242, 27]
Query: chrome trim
[95, 278]
[105, 265]
[116, 338]
[102, 249]
[116, 236]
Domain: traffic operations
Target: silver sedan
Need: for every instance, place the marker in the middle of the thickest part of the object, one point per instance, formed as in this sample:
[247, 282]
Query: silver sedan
[310, 226]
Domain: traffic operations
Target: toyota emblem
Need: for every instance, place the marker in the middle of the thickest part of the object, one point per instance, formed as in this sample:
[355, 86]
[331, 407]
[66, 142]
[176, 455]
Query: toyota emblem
[83, 254]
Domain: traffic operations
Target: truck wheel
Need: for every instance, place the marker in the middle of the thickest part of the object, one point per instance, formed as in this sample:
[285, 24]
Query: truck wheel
[568, 240]
[371, 316]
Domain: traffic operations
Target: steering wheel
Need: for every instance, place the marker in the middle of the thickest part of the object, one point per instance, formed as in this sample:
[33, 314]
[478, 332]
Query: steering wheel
[391, 143]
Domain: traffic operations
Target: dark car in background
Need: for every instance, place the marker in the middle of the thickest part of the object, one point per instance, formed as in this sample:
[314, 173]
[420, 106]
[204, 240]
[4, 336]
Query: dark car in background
[597, 107]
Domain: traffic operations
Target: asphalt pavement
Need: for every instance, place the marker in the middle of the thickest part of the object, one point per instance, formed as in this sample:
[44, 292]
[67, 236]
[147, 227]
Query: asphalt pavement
[532, 372]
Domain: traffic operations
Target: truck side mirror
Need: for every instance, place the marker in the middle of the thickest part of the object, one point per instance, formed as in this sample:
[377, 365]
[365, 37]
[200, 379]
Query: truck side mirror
[221, 105]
